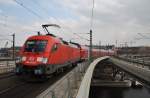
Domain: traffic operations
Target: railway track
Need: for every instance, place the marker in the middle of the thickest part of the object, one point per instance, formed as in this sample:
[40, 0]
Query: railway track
[6, 75]
[12, 87]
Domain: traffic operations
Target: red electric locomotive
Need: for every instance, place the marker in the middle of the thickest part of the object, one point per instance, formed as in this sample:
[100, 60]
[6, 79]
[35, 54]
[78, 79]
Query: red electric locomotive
[45, 54]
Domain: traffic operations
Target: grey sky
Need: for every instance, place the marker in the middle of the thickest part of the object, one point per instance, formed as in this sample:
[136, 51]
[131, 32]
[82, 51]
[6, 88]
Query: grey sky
[119, 20]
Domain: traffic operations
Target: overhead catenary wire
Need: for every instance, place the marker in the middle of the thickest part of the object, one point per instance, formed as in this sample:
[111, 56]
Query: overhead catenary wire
[34, 13]
[46, 12]
[143, 36]
[81, 37]
[65, 27]
[40, 7]
[28, 9]
[22, 5]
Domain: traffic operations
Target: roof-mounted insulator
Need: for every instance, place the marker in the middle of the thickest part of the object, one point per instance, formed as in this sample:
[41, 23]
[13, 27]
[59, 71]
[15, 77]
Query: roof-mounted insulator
[38, 33]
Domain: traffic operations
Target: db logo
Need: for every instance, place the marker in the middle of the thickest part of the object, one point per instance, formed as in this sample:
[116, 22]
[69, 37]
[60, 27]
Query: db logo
[31, 59]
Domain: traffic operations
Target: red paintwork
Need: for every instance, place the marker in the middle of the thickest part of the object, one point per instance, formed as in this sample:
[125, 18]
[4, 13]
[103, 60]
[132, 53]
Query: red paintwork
[84, 52]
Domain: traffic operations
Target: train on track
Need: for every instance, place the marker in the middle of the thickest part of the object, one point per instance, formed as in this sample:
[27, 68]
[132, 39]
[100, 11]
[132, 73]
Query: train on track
[42, 55]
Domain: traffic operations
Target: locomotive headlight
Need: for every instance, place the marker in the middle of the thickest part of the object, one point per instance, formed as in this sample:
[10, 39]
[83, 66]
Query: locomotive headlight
[42, 60]
[39, 59]
[23, 58]
[20, 59]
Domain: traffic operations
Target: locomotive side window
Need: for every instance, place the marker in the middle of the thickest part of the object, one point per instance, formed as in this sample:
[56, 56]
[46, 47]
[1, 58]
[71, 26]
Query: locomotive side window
[35, 45]
[55, 47]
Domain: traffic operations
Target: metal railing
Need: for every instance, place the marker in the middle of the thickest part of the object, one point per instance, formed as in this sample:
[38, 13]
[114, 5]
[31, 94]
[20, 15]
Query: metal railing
[7, 66]
[68, 85]
[138, 61]
[141, 74]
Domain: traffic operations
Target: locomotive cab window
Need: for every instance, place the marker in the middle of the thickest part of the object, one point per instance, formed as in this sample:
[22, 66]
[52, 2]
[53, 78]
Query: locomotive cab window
[35, 45]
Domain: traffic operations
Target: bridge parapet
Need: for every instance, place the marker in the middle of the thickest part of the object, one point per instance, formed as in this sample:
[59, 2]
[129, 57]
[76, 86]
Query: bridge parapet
[67, 86]
[83, 91]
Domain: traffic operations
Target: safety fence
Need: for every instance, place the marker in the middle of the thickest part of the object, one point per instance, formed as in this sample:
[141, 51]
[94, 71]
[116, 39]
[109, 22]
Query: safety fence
[139, 73]
[7, 66]
[67, 87]
[138, 61]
